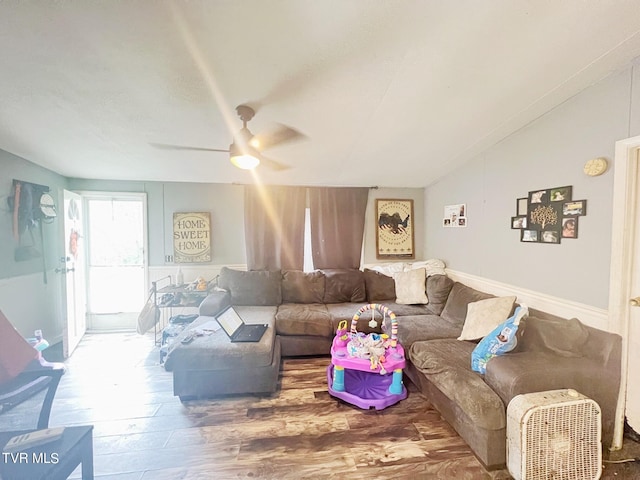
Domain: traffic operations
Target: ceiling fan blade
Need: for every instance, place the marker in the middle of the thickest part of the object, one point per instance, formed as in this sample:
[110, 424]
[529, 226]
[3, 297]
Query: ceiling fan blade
[273, 164]
[278, 136]
[166, 146]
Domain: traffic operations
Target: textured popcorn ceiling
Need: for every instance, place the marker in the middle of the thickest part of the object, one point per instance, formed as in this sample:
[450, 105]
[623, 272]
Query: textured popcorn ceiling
[389, 93]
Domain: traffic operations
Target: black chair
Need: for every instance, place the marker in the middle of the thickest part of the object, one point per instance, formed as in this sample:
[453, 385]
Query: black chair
[23, 373]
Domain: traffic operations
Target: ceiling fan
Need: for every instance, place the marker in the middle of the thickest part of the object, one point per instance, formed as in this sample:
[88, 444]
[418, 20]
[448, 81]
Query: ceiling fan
[246, 150]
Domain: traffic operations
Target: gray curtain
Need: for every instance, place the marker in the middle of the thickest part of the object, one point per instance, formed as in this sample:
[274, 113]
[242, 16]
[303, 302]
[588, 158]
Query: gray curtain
[274, 227]
[337, 226]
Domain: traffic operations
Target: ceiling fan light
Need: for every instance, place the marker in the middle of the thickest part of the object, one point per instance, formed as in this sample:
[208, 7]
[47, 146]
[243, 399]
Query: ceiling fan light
[243, 157]
[246, 162]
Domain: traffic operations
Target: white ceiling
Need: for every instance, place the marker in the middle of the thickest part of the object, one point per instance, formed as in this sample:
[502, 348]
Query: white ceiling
[392, 93]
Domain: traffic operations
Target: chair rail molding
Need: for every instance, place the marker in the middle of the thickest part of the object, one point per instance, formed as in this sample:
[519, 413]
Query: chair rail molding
[589, 315]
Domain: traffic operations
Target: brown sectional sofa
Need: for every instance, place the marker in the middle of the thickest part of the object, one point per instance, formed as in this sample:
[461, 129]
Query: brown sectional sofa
[551, 353]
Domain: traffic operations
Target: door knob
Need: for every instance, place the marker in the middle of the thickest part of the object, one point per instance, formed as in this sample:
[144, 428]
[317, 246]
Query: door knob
[635, 302]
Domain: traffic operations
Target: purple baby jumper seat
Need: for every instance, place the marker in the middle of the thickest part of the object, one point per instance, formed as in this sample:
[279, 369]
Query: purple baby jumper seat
[366, 369]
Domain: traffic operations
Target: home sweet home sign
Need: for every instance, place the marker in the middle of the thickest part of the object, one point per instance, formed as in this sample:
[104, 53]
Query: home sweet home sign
[192, 237]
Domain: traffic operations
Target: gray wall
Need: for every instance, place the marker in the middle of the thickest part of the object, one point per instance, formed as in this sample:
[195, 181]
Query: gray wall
[226, 205]
[549, 152]
[223, 202]
[27, 301]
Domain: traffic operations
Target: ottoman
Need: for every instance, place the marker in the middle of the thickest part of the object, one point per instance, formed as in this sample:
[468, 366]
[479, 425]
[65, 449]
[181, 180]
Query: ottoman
[211, 365]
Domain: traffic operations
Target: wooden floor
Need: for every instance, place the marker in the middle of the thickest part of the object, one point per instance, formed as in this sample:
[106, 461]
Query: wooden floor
[143, 432]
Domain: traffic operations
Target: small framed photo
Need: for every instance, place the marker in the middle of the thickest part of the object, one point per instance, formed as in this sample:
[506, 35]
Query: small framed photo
[574, 208]
[539, 196]
[560, 194]
[446, 222]
[529, 236]
[518, 222]
[521, 206]
[570, 227]
[550, 236]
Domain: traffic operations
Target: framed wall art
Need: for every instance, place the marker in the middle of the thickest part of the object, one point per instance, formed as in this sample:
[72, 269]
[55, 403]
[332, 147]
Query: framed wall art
[395, 233]
[455, 215]
[192, 237]
[548, 215]
[521, 206]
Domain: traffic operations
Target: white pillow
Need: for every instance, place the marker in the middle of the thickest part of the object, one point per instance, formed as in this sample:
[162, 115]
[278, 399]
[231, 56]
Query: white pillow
[411, 287]
[432, 266]
[485, 315]
[388, 269]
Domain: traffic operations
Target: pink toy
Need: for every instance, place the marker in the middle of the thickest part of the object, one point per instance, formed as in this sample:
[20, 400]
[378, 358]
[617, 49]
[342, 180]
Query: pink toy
[366, 369]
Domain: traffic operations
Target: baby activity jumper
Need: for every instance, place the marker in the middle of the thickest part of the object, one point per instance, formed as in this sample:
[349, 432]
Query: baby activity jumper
[366, 369]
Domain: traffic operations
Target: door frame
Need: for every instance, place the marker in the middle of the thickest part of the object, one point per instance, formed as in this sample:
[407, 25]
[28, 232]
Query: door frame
[101, 194]
[70, 336]
[625, 197]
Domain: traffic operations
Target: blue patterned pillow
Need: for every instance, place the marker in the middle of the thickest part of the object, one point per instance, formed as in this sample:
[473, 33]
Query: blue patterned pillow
[502, 339]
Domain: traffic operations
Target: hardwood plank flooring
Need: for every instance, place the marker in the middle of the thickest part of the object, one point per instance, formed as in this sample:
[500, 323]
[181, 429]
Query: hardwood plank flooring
[143, 432]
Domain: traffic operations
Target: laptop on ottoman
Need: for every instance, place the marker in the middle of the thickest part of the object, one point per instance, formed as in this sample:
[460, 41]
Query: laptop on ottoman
[236, 329]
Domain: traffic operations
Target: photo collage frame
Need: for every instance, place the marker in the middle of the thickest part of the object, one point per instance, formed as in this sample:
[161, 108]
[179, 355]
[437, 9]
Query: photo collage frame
[455, 215]
[548, 215]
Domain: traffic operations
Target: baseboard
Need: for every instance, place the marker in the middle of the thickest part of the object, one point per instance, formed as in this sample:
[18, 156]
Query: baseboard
[592, 316]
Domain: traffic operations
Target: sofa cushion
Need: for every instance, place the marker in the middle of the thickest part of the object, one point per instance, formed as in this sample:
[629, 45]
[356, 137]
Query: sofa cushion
[402, 310]
[485, 315]
[414, 328]
[257, 287]
[445, 362]
[379, 287]
[344, 285]
[304, 319]
[345, 311]
[302, 287]
[455, 310]
[216, 352]
[438, 289]
[411, 287]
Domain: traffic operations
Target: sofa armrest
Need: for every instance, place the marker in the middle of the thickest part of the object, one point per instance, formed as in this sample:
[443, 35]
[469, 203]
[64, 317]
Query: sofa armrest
[513, 374]
[214, 303]
[526, 372]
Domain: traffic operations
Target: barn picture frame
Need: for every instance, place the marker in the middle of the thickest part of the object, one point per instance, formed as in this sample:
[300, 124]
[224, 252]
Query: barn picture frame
[394, 229]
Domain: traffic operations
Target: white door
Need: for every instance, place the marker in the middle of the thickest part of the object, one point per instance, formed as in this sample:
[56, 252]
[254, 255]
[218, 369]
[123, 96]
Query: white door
[624, 312]
[633, 386]
[74, 270]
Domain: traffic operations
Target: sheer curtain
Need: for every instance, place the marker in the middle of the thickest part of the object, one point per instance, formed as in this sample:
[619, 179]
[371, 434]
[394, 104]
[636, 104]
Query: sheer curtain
[274, 227]
[337, 226]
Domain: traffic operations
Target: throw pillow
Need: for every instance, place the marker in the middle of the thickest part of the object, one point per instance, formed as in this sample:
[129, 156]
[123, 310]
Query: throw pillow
[411, 287]
[500, 341]
[302, 287]
[255, 287]
[485, 315]
[380, 287]
[438, 289]
[344, 285]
